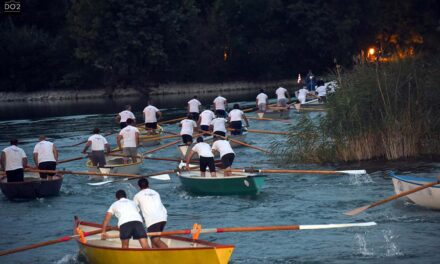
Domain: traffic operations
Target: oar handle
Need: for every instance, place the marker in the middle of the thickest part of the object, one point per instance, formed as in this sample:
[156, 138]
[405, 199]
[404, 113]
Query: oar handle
[161, 147]
[237, 141]
[83, 173]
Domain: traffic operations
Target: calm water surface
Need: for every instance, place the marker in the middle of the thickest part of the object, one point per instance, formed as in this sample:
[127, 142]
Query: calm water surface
[405, 233]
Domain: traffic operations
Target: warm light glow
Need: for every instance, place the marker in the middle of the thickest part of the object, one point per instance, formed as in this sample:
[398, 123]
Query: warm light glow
[371, 51]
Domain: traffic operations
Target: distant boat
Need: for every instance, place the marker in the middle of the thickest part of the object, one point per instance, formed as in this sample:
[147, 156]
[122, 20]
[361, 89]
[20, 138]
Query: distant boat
[147, 140]
[32, 187]
[180, 249]
[429, 197]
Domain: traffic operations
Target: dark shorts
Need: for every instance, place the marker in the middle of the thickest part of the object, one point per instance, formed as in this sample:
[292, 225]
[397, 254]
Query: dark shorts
[151, 125]
[133, 229]
[220, 113]
[194, 116]
[122, 125]
[323, 99]
[228, 159]
[98, 158]
[157, 227]
[187, 139]
[237, 126]
[47, 165]
[204, 128]
[15, 175]
[207, 162]
[220, 133]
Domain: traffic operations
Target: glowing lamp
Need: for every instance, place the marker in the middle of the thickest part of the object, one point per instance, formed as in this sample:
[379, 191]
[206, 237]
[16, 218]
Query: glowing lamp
[371, 51]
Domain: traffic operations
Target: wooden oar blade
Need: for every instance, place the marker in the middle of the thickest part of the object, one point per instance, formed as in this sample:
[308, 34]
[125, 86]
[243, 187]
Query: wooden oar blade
[161, 177]
[357, 210]
[332, 226]
[260, 115]
[99, 183]
[357, 172]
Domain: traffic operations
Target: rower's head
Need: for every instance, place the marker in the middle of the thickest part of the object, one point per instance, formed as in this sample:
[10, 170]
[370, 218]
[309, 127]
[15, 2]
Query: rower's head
[195, 96]
[96, 130]
[129, 121]
[120, 194]
[143, 183]
[42, 137]
[261, 90]
[14, 142]
[128, 107]
[199, 139]
[150, 102]
[236, 106]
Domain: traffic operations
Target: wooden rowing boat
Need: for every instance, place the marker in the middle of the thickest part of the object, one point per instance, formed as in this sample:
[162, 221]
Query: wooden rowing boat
[148, 139]
[429, 197]
[117, 165]
[275, 113]
[180, 250]
[312, 105]
[237, 184]
[32, 187]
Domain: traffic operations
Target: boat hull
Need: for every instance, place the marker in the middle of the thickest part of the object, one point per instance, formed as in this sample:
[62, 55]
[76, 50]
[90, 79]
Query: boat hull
[275, 114]
[149, 140]
[116, 165]
[31, 188]
[429, 197]
[220, 185]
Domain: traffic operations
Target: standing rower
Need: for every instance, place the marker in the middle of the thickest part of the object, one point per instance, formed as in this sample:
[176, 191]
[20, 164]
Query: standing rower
[194, 108]
[282, 95]
[13, 160]
[129, 221]
[205, 119]
[234, 119]
[130, 135]
[302, 95]
[262, 101]
[153, 211]
[45, 157]
[124, 115]
[187, 130]
[220, 104]
[99, 144]
[321, 91]
[205, 155]
[227, 155]
[151, 114]
[218, 125]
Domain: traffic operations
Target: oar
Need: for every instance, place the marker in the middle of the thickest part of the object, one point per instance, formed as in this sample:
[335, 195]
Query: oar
[72, 159]
[265, 132]
[255, 229]
[161, 147]
[160, 175]
[51, 242]
[238, 142]
[158, 138]
[269, 119]
[172, 120]
[86, 173]
[391, 198]
[252, 170]
[85, 141]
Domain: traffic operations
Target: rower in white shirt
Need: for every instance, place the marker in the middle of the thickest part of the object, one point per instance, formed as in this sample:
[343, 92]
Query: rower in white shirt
[281, 93]
[220, 104]
[262, 101]
[99, 144]
[234, 119]
[187, 130]
[124, 115]
[130, 136]
[13, 162]
[205, 119]
[206, 157]
[45, 156]
[194, 108]
[151, 115]
[129, 221]
[227, 155]
[218, 126]
[302, 95]
[321, 91]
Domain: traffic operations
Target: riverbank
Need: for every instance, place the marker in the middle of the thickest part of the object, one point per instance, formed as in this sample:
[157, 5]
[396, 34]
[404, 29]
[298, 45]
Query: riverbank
[163, 89]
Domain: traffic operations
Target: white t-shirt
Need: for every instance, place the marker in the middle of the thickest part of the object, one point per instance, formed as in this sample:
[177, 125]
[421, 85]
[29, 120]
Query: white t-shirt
[188, 126]
[14, 158]
[150, 114]
[203, 149]
[321, 90]
[302, 93]
[219, 103]
[126, 115]
[223, 147]
[125, 210]
[219, 124]
[44, 149]
[261, 98]
[151, 206]
[194, 105]
[98, 142]
[236, 115]
[206, 117]
[281, 93]
[128, 133]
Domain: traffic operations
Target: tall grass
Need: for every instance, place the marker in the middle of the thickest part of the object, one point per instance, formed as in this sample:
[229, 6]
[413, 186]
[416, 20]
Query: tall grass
[384, 111]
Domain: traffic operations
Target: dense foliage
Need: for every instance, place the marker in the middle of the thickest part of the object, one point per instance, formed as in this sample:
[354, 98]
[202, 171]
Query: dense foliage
[84, 44]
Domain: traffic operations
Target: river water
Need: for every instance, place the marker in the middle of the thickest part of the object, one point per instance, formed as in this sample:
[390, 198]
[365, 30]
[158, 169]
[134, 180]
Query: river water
[405, 233]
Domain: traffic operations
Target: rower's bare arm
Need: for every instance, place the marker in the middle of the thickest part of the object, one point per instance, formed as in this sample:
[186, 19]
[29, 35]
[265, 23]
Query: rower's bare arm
[25, 162]
[107, 218]
[159, 115]
[55, 152]
[88, 144]
[118, 118]
[3, 161]
[119, 142]
[246, 120]
[191, 153]
[107, 148]
[137, 139]
[35, 157]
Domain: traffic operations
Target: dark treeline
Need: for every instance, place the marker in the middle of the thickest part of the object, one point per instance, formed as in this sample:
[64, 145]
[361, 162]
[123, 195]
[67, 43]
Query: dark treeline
[82, 44]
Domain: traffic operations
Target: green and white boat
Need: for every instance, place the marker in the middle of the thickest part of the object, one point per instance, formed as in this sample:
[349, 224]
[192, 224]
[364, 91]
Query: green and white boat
[240, 183]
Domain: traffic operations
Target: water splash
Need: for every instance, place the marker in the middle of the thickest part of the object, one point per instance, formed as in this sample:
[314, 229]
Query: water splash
[391, 247]
[67, 259]
[360, 179]
[362, 243]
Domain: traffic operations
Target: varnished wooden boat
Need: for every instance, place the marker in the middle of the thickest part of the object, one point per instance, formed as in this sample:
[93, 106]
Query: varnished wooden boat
[32, 187]
[116, 165]
[429, 197]
[239, 183]
[312, 105]
[180, 250]
[147, 140]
